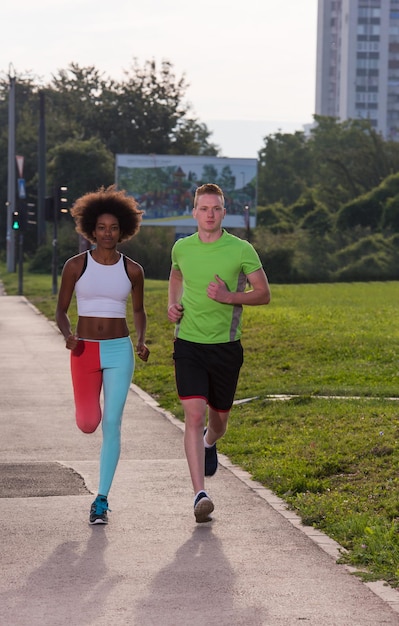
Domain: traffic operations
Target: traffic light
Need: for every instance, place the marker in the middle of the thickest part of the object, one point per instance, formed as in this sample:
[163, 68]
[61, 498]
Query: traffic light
[30, 213]
[62, 199]
[56, 204]
[16, 220]
[19, 216]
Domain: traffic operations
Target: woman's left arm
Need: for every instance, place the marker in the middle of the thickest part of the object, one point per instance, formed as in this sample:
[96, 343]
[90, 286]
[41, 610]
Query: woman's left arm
[136, 275]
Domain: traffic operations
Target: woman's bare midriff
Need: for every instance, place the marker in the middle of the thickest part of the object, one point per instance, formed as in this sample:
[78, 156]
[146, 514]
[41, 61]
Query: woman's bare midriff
[101, 328]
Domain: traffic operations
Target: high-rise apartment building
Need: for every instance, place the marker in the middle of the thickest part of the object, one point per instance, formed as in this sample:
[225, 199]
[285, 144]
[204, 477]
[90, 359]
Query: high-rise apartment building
[357, 73]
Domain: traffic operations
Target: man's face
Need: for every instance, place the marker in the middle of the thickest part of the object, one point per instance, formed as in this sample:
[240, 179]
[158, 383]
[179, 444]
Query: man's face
[209, 212]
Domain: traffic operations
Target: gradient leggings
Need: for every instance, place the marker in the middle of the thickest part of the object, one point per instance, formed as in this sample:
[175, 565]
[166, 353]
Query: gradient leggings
[107, 364]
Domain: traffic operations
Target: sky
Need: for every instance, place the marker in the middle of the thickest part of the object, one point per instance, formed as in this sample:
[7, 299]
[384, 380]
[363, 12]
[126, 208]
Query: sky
[250, 65]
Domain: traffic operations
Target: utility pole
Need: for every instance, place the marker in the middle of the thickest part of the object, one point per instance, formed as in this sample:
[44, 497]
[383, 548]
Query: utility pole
[21, 263]
[10, 237]
[41, 224]
[21, 212]
[54, 263]
[59, 202]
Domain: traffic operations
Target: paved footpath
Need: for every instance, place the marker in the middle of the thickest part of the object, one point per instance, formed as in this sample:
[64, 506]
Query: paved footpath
[253, 565]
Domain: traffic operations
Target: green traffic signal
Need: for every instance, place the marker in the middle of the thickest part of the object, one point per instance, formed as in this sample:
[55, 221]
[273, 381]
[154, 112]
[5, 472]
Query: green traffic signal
[15, 220]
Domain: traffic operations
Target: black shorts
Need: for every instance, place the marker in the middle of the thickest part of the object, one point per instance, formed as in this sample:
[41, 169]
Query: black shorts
[208, 371]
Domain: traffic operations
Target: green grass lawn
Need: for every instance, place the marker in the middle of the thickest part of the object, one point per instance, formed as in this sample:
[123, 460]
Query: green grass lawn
[334, 460]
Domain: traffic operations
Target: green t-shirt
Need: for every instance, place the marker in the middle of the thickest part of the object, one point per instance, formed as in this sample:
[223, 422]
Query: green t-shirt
[205, 320]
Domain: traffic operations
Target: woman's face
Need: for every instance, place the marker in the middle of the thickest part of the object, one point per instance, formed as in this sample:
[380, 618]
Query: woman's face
[107, 232]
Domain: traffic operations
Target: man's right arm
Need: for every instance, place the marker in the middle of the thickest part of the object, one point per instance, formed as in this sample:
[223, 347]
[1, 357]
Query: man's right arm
[175, 291]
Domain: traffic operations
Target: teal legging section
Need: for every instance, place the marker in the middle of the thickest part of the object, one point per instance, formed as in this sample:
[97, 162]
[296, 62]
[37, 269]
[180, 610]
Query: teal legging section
[109, 365]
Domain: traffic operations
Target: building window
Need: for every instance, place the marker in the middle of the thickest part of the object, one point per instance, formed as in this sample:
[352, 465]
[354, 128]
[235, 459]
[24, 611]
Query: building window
[368, 46]
[368, 12]
[367, 63]
[368, 29]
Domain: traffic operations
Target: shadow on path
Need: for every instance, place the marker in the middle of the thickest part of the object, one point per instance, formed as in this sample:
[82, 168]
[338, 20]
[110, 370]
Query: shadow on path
[70, 587]
[180, 592]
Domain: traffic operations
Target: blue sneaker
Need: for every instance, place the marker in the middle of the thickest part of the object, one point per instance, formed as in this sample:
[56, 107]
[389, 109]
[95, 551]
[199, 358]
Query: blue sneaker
[98, 511]
[203, 507]
[211, 459]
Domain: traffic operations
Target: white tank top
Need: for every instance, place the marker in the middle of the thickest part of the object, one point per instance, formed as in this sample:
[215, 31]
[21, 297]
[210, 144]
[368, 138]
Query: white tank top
[102, 290]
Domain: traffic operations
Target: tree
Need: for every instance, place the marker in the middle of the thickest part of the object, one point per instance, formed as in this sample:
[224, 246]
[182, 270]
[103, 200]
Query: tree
[391, 217]
[318, 221]
[285, 168]
[374, 210]
[192, 137]
[350, 158]
[82, 166]
[26, 123]
[144, 113]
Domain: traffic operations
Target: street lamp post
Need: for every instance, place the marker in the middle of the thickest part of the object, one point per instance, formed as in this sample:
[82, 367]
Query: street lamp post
[247, 222]
[11, 174]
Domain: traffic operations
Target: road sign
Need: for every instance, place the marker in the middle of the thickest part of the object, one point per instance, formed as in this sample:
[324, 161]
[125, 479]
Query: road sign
[21, 188]
[20, 165]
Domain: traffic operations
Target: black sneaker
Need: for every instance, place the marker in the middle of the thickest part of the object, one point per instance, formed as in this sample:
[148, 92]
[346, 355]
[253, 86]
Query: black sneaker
[98, 511]
[203, 507]
[211, 459]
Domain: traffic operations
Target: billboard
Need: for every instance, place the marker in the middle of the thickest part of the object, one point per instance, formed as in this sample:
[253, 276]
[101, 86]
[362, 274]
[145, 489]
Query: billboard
[164, 186]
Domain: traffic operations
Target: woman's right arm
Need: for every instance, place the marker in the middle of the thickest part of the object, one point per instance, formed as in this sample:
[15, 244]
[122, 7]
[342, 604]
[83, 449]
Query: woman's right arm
[68, 281]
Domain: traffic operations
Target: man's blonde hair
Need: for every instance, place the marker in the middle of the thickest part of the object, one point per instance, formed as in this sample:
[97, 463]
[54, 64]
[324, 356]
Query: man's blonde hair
[208, 188]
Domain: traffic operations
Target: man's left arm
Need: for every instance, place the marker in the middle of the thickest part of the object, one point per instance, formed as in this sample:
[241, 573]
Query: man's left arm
[259, 293]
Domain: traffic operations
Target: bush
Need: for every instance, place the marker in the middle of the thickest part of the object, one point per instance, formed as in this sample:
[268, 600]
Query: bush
[272, 214]
[365, 211]
[318, 221]
[391, 216]
[306, 204]
[151, 247]
[68, 245]
[278, 263]
[371, 267]
[372, 244]
[282, 228]
[40, 263]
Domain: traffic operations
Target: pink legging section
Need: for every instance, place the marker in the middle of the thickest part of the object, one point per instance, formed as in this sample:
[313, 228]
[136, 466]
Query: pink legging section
[107, 364]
